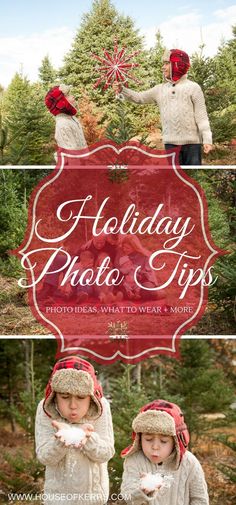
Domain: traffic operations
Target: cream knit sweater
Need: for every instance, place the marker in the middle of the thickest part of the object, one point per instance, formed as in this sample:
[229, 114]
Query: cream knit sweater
[182, 108]
[188, 487]
[71, 471]
[69, 132]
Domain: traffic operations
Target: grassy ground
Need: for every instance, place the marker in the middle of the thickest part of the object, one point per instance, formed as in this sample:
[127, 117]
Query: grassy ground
[222, 155]
[16, 317]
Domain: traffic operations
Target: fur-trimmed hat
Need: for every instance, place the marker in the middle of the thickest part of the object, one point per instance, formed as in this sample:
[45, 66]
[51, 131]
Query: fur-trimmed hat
[56, 101]
[164, 418]
[75, 376]
[179, 63]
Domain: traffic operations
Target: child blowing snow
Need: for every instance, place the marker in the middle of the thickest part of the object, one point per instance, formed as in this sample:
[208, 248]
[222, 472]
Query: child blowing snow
[158, 468]
[74, 435]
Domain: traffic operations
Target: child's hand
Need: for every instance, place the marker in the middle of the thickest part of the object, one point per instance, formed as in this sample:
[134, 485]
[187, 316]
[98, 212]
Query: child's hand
[207, 148]
[117, 87]
[88, 429]
[59, 426]
[148, 484]
[142, 475]
[71, 435]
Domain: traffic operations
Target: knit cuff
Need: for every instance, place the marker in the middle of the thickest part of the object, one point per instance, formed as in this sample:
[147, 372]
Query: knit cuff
[207, 137]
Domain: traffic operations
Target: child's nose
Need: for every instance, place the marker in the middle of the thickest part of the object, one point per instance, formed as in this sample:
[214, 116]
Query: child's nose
[155, 444]
[73, 403]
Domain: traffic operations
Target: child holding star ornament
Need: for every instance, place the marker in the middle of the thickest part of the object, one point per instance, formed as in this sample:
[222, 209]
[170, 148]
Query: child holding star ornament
[181, 102]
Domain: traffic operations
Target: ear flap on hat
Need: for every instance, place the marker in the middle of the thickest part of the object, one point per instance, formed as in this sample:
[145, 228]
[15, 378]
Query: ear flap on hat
[166, 55]
[65, 89]
[184, 437]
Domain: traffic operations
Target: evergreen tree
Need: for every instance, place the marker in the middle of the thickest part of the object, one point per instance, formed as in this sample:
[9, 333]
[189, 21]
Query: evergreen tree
[10, 377]
[3, 138]
[223, 117]
[3, 129]
[25, 139]
[202, 69]
[121, 128]
[217, 78]
[219, 187]
[155, 60]
[27, 142]
[124, 407]
[29, 124]
[14, 102]
[13, 213]
[25, 367]
[150, 116]
[200, 385]
[47, 73]
[225, 68]
[98, 30]
[228, 469]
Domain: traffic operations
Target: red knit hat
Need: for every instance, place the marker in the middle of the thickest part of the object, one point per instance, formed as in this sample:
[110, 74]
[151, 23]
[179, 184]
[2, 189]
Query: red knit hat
[57, 103]
[75, 376]
[162, 417]
[180, 63]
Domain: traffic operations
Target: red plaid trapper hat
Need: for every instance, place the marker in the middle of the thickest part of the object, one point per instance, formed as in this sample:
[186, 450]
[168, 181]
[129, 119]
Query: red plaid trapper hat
[180, 63]
[160, 417]
[57, 103]
[75, 376]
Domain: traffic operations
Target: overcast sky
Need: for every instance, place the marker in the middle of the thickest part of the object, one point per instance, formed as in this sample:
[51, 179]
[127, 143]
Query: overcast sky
[31, 30]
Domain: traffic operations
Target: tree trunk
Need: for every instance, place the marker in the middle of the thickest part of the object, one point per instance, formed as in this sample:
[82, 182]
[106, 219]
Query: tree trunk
[26, 346]
[11, 401]
[137, 374]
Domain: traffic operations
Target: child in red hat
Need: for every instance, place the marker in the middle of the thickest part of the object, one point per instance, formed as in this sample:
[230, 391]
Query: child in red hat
[159, 452]
[182, 108]
[74, 435]
[69, 133]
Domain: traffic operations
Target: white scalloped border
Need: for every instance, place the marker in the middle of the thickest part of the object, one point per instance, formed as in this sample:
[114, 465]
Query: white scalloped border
[213, 253]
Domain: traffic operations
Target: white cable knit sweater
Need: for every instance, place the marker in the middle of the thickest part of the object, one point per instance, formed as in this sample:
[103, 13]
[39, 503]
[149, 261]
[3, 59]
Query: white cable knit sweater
[69, 132]
[71, 471]
[188, 488]
[182, 108]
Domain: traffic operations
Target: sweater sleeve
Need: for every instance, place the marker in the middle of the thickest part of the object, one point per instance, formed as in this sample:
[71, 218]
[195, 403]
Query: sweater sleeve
[201, 116]
[148, 96]
[198, 494]
[130, 486]
[49, 450]
[100, 445]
